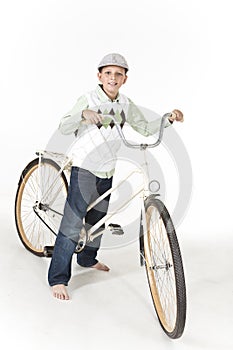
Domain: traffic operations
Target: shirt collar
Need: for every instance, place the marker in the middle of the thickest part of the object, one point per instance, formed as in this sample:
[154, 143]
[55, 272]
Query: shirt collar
[103, 97]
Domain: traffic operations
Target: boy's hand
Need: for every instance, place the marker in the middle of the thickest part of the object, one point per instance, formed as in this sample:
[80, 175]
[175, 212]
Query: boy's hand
[92, 117]
[176, 116]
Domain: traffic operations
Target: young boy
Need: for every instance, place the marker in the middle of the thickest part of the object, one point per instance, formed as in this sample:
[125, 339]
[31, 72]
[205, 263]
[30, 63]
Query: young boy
[94, 158]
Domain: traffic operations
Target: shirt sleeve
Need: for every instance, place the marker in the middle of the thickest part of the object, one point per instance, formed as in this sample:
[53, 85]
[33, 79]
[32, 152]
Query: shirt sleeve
[70, 122]
[139, 123]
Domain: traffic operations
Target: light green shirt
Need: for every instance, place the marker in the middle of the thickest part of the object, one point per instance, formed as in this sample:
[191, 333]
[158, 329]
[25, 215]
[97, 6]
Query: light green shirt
[122, 108]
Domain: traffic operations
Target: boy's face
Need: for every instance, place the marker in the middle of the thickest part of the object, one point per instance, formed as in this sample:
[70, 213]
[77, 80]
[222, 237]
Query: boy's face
[112, 78]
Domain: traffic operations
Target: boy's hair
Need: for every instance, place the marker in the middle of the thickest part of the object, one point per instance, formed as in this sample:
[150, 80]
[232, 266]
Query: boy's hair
[100, 69]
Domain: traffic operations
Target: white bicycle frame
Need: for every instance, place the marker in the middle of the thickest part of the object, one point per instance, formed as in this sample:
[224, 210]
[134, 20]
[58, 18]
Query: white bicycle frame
[143, 189]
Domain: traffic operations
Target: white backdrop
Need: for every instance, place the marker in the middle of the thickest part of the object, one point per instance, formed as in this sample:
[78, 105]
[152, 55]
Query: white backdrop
[180, 56]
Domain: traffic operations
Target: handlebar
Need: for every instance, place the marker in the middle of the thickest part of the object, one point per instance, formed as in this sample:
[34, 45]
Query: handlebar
[142, 145]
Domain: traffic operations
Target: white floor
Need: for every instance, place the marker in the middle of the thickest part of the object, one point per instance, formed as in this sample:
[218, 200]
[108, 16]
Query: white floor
[111, 310]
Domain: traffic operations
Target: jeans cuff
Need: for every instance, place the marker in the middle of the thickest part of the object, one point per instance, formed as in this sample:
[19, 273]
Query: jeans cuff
[88, 264]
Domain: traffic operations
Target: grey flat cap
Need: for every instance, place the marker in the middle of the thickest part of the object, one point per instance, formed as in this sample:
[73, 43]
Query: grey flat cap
[113, 59]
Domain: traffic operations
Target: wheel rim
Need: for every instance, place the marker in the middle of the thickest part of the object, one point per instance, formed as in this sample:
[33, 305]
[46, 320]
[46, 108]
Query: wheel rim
[32, 230]
[160, 269]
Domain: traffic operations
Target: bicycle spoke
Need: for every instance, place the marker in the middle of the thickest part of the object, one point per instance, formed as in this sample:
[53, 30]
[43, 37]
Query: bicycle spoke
[161, 263]
[36, 219]
[164, 268]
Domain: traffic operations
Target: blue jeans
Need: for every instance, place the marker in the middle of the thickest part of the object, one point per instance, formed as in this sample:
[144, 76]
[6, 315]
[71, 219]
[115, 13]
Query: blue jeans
[84, 188]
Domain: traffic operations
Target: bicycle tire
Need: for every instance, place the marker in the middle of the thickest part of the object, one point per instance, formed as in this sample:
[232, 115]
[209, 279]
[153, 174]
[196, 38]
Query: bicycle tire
[164, 268]
[38, 228]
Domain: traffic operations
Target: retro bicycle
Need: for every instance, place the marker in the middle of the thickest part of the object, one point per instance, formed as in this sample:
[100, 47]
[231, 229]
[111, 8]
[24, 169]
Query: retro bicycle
[39, 203]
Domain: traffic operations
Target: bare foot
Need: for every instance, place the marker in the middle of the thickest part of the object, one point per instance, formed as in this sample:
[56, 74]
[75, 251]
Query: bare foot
[59, 292]
[100, 266]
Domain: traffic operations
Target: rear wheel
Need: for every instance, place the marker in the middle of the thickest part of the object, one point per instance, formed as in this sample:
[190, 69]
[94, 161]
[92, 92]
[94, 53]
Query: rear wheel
[164, 268]
[39, 203]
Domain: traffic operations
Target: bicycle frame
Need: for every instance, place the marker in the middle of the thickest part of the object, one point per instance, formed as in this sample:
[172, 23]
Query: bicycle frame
[143, 189]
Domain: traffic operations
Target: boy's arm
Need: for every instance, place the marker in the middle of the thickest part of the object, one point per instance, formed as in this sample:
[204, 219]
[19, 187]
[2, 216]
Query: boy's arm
[139, 123]
[70, 122]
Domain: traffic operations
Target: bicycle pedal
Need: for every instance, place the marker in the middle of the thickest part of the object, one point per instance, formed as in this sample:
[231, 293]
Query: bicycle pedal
[48, 251]
[115, 229]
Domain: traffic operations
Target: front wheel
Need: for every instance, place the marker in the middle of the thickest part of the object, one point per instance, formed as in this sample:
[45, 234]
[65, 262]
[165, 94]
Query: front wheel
[39, 204]
[164, 268]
